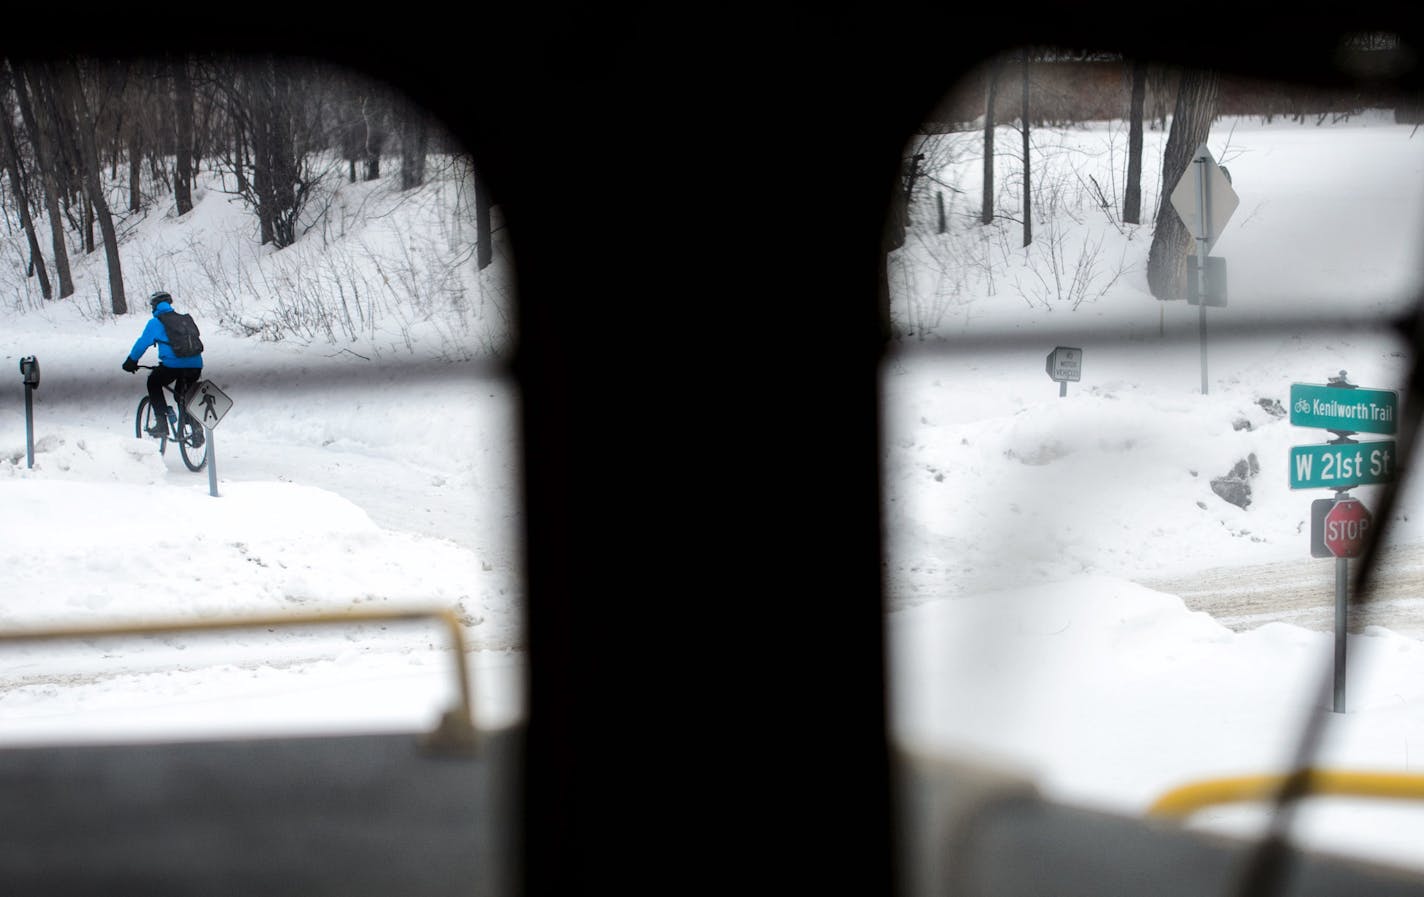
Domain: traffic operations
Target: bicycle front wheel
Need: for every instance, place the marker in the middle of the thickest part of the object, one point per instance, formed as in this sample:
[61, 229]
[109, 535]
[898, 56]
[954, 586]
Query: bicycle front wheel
[192, 444]
[144, 419]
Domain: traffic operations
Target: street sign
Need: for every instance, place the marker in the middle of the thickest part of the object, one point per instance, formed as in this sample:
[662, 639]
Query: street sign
[1190, 194]
[1342, 465]
[1347, 527]
[1215, 281]
[207, 404]
[1345, 409]
[1065, 363]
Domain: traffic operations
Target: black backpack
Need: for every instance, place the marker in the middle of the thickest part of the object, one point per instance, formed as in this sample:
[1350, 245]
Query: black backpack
[182, 333]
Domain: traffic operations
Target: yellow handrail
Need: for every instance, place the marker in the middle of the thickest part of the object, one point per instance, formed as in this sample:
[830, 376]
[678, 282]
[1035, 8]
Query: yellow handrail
[456, 730]
[1186, 799]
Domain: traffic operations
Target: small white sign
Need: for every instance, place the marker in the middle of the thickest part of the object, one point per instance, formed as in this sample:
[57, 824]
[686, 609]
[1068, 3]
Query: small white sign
[207, 404]
[1065, 363]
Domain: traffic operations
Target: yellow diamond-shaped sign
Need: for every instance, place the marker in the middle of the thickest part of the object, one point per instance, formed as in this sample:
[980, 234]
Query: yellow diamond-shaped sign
[1204, 187]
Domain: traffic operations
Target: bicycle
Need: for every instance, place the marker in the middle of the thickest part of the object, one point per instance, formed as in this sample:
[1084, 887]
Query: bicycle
[191, 443]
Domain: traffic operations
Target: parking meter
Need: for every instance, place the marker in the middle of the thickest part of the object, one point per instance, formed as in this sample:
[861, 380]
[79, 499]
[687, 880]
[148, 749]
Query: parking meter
[30, 374]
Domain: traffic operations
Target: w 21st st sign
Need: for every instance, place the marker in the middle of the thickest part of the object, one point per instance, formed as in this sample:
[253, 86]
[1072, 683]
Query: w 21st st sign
[1342, 465]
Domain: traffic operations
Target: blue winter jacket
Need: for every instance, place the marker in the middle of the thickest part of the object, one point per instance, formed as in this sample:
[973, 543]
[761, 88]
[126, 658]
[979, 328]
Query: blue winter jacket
[155, 332]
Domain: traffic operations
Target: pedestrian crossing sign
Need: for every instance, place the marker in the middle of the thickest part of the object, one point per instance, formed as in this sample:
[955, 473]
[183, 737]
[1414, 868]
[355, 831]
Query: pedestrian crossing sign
[207, 404]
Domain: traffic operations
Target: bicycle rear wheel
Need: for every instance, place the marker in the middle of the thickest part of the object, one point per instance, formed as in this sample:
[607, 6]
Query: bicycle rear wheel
[191, 442]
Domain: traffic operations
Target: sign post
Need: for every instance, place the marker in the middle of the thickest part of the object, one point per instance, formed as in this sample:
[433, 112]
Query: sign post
[1065, 363]
[1347, 526]
[1205, 201]
[1340, 526]
[208, 405]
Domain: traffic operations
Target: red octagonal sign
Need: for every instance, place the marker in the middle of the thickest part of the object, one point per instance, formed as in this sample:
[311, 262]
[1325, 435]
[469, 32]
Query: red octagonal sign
[1347, 526]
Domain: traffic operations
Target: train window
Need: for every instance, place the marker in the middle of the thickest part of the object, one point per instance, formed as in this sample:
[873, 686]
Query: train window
[353, 285]
[1145, 416]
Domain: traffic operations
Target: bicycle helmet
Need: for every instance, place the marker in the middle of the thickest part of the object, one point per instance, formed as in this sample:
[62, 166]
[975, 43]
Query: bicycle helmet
[158, 296]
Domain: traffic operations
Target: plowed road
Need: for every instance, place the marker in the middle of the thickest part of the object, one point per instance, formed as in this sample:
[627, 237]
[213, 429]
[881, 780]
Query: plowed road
[1303, 593]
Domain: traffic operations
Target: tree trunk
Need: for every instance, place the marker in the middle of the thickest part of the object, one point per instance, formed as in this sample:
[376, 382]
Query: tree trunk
[373, 140]
[135, 174]
[898, 217]
[12, 169]
[1171, 240]
[353, 135]
[69, 78]
[373, 156]
[239, 157]
[183, 121]
[49, 183]
[1132, 194]
[1027, 180]
[484, 240]
[283, 173]
[986, 209]
[274, 164]
[414, 144]
[262, 185]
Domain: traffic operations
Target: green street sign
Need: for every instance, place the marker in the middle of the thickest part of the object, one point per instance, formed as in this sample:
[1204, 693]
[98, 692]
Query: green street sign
[1348, 410]
[1343, 465]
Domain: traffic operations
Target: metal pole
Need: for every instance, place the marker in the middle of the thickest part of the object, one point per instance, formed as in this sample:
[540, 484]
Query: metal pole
[1062, 388]
[1342, 609]
[29, 426]
[1204, 194]
[212, 462]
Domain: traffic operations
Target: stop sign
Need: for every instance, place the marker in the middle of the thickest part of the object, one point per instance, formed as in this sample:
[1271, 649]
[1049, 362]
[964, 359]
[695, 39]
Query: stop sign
[1347, 525]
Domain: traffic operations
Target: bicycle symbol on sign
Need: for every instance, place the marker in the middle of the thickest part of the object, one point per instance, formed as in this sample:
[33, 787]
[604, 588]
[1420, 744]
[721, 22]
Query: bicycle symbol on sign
[1302, 406]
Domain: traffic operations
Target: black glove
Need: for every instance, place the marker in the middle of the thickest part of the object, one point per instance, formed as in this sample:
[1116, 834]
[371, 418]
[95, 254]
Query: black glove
[130, 365]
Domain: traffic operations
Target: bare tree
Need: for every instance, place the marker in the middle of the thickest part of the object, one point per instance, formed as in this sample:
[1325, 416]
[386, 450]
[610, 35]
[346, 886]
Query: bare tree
[69, 82]
[375, 143]
[1027, 180]
[986, 209]
[11, 152]
[484, 250]
[133, 132]
[892, 235]
[1132, 192]
[351, 132]
[415, 143]
[272, 140]
[46, 161]
[183, 136]
[1191, 125]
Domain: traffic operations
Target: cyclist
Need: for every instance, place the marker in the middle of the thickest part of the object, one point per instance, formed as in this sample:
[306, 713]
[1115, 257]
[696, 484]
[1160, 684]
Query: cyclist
[184, 370]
